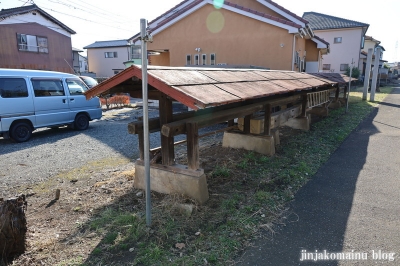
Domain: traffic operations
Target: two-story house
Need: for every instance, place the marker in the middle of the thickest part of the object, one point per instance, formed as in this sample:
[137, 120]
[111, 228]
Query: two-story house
[33, 39]
[346, 38]
[370, 43]
[235, 33]
[106, 58]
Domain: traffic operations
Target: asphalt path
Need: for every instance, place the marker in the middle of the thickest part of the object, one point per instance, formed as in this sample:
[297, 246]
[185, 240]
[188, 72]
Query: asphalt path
[349, 213]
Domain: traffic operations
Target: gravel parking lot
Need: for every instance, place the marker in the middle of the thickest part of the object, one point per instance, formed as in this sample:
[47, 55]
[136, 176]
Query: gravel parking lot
[51, 151]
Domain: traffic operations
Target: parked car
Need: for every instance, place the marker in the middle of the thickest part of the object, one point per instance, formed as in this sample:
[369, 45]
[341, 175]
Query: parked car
[89, 81]
[31, 99]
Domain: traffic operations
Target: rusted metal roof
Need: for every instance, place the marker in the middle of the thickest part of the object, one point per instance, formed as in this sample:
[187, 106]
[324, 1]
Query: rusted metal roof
[200, 88]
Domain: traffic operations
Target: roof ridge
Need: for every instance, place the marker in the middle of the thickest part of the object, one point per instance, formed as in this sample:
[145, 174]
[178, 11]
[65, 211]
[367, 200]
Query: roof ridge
[330, 16]
[195, 2]
[286, 11]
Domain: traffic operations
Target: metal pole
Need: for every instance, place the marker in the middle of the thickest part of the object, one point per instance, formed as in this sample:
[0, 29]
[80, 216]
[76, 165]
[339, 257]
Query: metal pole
[144, 39]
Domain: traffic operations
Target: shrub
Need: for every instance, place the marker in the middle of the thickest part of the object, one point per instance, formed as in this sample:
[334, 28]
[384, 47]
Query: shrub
[116, 101]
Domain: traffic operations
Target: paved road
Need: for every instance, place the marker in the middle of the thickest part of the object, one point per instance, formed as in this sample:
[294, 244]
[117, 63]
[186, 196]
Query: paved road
[352, 205]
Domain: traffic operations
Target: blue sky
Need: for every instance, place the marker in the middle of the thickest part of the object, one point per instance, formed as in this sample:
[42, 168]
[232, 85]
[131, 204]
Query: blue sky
[98, 20]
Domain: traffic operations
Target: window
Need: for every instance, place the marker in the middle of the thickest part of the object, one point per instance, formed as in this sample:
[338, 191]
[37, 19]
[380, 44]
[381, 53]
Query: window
[362, 42]
[76, 86]
[136, 52]
[110, 55]
[204, 59]
[196, 59]
[31, 43]
[326, 67]
[188, 60]
[13, 88]
[337, 40]
[343, 67]
[212, 59]
[47, 87]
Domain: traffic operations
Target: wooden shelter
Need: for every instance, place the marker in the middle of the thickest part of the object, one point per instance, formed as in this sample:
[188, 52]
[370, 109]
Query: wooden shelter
[219, 95]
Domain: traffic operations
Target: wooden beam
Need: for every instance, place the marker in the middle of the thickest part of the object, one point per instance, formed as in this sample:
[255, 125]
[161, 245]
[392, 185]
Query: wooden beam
[192, 136]
[167, 143]
[141, 145]
[267, 120]
[179, 127]
[246, 125]
[154, 123]
[281, 117]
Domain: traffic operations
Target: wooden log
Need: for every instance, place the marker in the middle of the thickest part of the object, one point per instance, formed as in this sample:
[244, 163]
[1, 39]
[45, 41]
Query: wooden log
[13, 227]
[267, 120]
[167, 143]
[154, 123]
[179, 127]
[246, 125]
[193, 145]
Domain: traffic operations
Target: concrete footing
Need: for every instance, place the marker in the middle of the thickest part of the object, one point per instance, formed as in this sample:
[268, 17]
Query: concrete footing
[261, 144]
[176, 179]
[302, 123]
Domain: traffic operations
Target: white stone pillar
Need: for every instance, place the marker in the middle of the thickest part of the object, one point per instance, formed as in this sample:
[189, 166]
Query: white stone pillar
[375, 74]
[367, 73]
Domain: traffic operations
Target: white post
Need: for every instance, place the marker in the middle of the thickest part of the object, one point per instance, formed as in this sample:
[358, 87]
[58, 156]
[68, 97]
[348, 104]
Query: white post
[375, 74]
[348, 89]
[144, 39]
[367, 73]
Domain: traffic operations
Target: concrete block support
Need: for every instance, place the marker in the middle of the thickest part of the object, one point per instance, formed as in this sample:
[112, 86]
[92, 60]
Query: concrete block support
[261, 144]
[176, 179]
[302, 123]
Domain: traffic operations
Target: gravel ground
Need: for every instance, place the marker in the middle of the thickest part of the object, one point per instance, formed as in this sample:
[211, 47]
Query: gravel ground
[51, 151]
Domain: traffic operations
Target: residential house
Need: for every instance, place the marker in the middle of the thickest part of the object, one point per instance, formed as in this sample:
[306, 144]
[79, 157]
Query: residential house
[106, 58]
[370, 43]
[33, 39]
[75, 59]
[235, 33]
[345, 36]
[83, 65]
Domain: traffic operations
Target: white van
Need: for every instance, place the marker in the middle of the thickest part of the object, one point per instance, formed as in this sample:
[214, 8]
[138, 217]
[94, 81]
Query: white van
[31, 99]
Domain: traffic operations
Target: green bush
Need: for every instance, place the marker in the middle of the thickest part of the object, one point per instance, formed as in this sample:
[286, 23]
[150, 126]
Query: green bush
[355, 73]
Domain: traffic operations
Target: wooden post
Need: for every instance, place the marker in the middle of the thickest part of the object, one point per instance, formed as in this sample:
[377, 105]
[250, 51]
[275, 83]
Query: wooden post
[337, 93]
[192, 136]
[167, 143]
[267, 120]
[246, 126]
[231, 123]
[304, 105]
[141, 144]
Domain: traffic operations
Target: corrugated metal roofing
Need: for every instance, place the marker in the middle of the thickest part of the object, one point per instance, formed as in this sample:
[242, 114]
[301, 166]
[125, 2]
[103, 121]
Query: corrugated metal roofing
[200, 88]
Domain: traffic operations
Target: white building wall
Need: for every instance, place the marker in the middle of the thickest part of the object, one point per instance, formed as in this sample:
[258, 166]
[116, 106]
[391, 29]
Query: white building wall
[104, 67]
[39, 19]
[341, 53]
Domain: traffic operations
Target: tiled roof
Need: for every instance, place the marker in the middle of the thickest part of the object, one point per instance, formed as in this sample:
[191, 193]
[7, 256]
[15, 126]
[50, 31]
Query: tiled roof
[5, 13]
[286, 11]
[320, 21]
[196, 2]
[102, 44]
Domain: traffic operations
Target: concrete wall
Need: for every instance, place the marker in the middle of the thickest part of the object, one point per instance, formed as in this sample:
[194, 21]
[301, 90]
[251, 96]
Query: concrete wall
[341, 53]
[240, 41]
[104, 67]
